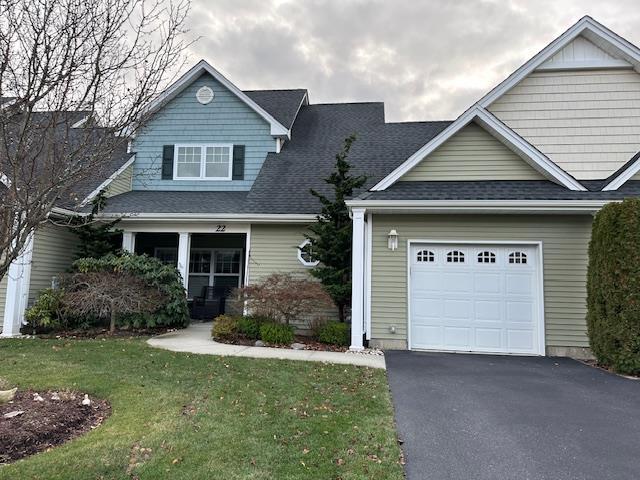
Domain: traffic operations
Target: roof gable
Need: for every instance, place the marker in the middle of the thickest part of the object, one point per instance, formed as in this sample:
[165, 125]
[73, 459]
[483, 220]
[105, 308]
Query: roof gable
[580, 54]
[497, 129]
[277, 128]
[595, 33]
[472, 154]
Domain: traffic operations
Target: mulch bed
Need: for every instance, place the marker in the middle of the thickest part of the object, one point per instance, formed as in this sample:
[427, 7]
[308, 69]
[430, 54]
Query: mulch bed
[309, 344]
[104, 333]
[45, 424]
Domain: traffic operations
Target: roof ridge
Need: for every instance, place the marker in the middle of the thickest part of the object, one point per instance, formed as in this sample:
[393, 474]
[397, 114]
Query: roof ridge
[276, 90]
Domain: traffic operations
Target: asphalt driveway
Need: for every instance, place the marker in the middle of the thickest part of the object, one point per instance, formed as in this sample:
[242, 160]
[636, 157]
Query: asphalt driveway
[527, 418]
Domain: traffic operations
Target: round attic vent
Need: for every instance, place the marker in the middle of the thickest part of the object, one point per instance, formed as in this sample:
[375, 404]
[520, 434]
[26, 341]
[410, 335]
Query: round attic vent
[204, 95]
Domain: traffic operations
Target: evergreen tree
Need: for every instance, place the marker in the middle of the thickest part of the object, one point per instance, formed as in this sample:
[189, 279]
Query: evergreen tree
[97, 238]
[331, 235]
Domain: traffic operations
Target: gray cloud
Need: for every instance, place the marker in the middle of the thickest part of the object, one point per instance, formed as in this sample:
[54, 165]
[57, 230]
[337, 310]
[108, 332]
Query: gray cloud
[427, 60]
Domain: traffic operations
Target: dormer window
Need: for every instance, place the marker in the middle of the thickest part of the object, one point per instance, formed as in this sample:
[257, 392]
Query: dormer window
[203, 162]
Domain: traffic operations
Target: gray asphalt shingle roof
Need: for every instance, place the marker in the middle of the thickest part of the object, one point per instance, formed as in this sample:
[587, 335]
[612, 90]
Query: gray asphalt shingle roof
[282, 105]
[497, 190]
[151, 201]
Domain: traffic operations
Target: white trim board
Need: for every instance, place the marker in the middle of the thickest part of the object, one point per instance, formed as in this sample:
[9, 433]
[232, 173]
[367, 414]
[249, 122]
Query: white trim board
[539, 277]
[277, 129]
[501, 132]
[108, 181]
[622, 177]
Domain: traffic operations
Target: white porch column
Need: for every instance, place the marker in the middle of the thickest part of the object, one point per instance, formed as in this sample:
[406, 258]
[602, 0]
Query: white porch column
[129, 242]
[357, 281]
[18, 280]
[184, 244]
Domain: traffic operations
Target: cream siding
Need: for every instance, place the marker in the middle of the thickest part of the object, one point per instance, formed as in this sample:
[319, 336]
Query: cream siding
[587, 121]
[565, 246]
[3, 298]
[121, 184]
[472, 154]
[54, 250]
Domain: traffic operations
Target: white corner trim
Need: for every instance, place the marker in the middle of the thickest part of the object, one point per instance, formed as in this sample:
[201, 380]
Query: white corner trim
[108, 181]
[495, 127]
[17, 293]
[622, 178]
[277, 129]
[5, 180]
[586, 26]
[301, 258]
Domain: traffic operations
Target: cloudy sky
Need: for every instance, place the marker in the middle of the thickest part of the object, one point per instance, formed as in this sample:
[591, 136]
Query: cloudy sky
[426, 59]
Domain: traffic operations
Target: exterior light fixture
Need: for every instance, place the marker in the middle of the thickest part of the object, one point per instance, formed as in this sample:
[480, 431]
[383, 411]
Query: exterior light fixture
[393, 240]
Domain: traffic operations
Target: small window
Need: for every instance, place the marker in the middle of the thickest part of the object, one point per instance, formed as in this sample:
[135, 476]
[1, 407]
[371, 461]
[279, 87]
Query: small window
[203, 162]
[517, 257]
[306, 255]
[486, 257]
[426, 256]
[455, 256]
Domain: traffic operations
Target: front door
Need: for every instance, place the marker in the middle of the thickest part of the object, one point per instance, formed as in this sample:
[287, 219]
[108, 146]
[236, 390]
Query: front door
[220, 267]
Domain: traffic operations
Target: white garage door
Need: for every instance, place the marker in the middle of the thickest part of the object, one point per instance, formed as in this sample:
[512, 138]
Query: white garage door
[475, 298]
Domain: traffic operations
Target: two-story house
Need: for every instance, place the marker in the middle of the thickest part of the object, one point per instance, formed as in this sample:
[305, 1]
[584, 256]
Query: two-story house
[469, 235]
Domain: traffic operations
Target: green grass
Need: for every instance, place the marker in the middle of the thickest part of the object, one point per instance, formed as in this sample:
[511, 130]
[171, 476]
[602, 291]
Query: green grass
[206, 417]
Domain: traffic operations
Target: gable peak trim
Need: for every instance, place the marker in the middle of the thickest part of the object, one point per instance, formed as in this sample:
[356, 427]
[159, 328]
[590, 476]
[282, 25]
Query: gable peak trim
[502, 133]
[277, 129]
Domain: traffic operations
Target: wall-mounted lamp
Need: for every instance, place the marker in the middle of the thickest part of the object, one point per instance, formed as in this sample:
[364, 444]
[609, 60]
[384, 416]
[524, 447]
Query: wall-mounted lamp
[393, 240]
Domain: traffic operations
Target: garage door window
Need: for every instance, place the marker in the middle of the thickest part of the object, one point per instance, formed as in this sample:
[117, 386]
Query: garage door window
[426, 256]
[486, 257]
[517, 257]
[455, 256]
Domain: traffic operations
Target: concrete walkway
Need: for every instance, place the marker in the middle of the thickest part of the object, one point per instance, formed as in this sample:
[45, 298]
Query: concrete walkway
[196, 338]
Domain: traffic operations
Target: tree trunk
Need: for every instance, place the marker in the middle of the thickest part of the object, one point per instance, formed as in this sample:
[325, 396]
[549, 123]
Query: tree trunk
[341, 312]
[112, 325]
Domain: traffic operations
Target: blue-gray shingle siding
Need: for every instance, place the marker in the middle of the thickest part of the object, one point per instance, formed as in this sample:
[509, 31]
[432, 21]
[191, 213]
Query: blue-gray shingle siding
[227, 119]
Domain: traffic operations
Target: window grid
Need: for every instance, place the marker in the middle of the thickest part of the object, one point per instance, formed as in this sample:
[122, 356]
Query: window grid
[518, 257]
[426, 256]
[486, 257]
[203, 162]
[455, 256]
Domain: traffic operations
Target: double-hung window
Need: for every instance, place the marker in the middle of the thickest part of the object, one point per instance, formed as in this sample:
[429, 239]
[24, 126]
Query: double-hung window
[203, 162]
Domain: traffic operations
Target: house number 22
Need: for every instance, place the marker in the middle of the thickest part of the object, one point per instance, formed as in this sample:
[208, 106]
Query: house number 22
[221, 228]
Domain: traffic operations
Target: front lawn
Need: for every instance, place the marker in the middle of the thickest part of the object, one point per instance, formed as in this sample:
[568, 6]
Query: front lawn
[208, 417]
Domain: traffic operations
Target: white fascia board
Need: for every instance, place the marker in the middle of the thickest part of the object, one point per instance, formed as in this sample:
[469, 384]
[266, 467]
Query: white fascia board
[622, 178]
[586, 26]
[277, 129]
[205, 217]
[106, 183]
[80, 123]
[480, 206]
[512, 140]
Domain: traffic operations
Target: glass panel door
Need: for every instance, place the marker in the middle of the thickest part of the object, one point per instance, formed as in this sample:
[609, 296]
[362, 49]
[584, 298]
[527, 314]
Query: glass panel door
[227, 268]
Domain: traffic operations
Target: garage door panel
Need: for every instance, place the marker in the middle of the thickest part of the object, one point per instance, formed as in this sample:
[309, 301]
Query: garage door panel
[488, 282]
[488, 310]
[457, 309]
[457, 337]
[489, 338]
[485, 301]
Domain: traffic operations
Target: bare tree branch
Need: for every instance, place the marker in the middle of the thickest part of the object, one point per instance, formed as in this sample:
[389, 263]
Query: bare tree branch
[62, 61]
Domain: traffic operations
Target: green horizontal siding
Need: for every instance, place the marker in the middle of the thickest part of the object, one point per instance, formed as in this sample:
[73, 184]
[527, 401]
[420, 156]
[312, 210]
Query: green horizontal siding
[565, 242]
[274, 249]
[472, 154]
[122, 183]
[54, 250]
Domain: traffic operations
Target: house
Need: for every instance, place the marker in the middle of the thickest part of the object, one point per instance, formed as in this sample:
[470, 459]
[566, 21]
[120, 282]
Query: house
[469, 235]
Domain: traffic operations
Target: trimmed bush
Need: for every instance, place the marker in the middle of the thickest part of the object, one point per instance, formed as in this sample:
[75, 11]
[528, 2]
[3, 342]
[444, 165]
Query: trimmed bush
[276, 333]
[47, 310]
[335, 333]
[225, 327]
[154, 273]
[249, 327]
[613, 287]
